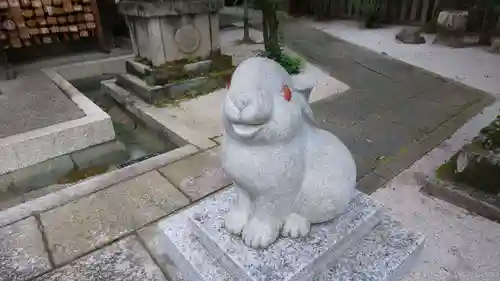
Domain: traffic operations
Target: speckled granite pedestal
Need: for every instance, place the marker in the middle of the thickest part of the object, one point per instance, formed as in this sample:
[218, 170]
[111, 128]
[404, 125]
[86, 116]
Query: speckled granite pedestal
[363, 244]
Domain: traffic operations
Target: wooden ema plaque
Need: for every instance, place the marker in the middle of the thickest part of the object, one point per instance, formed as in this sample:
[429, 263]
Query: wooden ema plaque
[24, 23]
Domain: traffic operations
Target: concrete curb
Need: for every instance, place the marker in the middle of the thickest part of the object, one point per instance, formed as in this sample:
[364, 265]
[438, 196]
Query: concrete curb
[157, 119]
[92, 185]
[446, 191]
[92, 129]
[87, 69]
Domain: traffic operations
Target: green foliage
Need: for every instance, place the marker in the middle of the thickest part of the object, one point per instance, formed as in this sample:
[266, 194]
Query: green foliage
[490, 136]
[272, 38]
[292, 65]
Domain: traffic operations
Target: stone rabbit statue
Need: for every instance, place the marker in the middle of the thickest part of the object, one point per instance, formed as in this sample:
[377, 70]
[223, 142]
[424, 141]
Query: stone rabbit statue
[288, 173]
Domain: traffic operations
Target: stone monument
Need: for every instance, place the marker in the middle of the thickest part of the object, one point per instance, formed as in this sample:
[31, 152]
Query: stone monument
[288, 173]
[176, 44]
[451, 28]
[170, 30]
[290, 177]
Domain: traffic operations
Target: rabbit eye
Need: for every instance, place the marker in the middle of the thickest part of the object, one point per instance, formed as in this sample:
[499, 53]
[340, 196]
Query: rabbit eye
[287, 93]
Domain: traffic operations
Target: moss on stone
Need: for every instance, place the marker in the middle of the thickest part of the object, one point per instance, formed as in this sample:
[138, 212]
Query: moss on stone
[447, 170]
[490, 136]
[78, 175]
[217, 80]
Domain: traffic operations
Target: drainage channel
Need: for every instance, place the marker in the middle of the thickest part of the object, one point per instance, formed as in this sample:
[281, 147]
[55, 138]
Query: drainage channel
[134, 143]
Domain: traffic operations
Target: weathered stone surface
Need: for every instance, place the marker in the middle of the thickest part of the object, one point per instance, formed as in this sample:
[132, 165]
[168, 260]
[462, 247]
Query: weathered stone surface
[287, 259]
[290, 172]
[169, 35]
[22, 254]
[373, 91]
[92, 221]
[139, 87]
[410, 36]
[177, 132]
[370, 182]
[384, 254]
[37, 176]
[197, 175]
[180, 253]
[167, 74]
[33, 102]
[101, 155]
[120, 116]
[152, 93]
[125, 260]
[136, 68]
[453, 20]
[495, 46]
[198, 67]
[172, 8]
[179, 89]
[464, 196]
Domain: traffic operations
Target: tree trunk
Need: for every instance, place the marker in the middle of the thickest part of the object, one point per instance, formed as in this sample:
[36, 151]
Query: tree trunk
[488, 22]
[246, 25]
[270, 28]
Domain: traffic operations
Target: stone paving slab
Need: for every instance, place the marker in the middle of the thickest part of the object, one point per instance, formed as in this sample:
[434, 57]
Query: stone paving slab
[452, 94]
[411, 105]
[125, 260]
[33, 102]
[83, 225]
[22, 253]
[197, 175]
[421, 115]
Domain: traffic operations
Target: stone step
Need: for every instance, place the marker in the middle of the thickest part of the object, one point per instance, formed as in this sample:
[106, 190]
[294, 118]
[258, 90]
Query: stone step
[385, 253]
[287, 259]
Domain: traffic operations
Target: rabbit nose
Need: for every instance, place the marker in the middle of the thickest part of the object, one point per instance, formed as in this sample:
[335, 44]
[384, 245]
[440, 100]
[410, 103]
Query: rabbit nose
[240, 104]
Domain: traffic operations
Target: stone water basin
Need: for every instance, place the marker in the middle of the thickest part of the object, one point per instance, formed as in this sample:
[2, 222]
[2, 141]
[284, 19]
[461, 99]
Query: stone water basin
[134, 142]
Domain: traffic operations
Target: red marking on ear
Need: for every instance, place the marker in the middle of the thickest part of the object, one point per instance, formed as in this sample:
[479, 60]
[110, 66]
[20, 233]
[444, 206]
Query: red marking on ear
[228, 83]
[287, 93]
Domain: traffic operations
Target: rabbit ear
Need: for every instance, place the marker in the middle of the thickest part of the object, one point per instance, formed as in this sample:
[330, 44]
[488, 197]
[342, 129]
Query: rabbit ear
[303, 84]
[308, 115]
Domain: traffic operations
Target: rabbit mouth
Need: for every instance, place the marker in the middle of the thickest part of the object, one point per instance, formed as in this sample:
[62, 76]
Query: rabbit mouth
[246, 131]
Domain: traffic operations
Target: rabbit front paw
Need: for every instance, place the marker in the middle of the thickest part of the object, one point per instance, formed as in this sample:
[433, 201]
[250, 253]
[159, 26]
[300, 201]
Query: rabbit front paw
[295, 226]
[260, 233]
[236, 220]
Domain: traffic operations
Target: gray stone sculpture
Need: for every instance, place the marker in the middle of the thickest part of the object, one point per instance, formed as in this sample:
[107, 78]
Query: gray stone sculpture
[288, 173]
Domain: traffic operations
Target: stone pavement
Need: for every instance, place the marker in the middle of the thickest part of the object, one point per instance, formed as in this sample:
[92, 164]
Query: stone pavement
[61, 243]
[392, 115]
[33, 102]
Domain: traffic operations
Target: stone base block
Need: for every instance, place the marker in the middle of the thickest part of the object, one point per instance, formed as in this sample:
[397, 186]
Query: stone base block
[287, 259]
[162, 32]
[163, 75]
[195, 247]
[154, 93]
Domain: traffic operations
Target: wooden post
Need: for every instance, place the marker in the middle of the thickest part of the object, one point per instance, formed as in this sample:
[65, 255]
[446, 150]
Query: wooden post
[425, 9]
[103, 43]
[341, 8]
[414, 9]
[404, 9]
